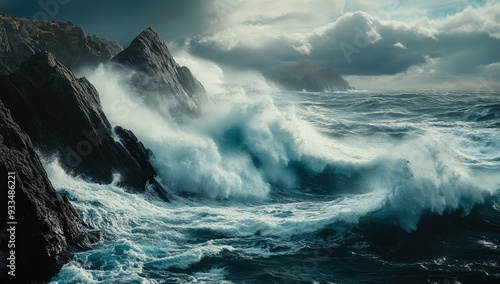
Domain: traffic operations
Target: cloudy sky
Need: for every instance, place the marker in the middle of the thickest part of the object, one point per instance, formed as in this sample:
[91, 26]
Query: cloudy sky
[421, 44]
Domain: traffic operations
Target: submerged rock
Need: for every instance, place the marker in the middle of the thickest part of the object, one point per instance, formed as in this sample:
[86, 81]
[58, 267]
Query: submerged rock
[48, 229]
[64, 119]
[161, 82]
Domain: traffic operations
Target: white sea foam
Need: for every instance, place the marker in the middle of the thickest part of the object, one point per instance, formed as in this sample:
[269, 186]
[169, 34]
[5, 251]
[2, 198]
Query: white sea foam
[139, 233]
[215, 156]
[250, 141]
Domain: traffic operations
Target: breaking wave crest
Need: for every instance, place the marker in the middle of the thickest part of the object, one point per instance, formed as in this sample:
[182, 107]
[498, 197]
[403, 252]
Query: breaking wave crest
[248, 146]
[263, 174]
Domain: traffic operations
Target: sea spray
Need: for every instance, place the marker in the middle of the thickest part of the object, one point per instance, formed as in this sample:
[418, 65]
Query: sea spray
[246, 145]
[233, 153]
[272, 177]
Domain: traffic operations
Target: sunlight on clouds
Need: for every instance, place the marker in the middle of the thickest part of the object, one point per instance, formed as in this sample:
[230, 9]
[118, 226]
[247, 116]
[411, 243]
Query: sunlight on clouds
[484, 19]
[304, 48]
[243, 35]
[291, 14]
[431, 42]
[254, 24]
[399, 45]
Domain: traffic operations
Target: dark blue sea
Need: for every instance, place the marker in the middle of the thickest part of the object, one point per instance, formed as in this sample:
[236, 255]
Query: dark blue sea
[297, 187]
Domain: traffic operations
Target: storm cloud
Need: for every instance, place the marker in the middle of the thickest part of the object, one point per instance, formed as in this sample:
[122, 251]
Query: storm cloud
[400, 41]
[359, 43]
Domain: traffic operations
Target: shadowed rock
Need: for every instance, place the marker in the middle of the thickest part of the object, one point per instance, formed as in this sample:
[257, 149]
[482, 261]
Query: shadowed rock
[21, 38]
[306, 76]
[48, 228]
[161, 82]
[63, 117]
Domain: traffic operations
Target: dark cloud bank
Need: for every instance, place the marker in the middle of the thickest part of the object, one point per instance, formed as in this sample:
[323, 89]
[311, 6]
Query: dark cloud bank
[354, 43]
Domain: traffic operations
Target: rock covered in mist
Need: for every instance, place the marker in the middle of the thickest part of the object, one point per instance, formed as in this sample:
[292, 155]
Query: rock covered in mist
[63, 117]
[306, 76]
[21, 38]
[160, 80]
[48, 228]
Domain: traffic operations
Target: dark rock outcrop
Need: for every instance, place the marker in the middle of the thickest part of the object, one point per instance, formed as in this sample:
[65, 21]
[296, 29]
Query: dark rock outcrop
[159, 79]
[48, 228]
[306, 76]
[21, 38]
[141, 155]
[63, 117]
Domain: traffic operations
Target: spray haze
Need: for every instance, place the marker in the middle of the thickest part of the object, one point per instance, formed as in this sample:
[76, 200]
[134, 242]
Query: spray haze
[242, 143]
[249, 143]
[239, 154]
[263, 175]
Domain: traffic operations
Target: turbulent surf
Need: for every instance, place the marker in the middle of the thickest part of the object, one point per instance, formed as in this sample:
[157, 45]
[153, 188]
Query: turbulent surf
[297, 187]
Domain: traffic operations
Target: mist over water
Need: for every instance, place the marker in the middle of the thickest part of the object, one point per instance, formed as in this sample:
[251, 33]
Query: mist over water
[241, 144]
[265, 179]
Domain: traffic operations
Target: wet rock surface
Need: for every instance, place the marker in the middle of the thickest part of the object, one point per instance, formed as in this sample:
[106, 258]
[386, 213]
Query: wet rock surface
[160, 80]
[48, 229]
[63, 117]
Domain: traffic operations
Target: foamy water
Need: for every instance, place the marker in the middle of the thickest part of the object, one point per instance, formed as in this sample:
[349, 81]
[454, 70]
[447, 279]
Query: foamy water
[275, 187]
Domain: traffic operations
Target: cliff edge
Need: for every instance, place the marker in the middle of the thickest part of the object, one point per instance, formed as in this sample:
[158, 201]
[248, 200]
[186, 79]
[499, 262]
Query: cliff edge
[161, 82]
[47, 228]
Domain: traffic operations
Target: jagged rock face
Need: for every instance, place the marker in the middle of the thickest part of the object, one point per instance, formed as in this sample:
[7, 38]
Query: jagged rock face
[48, 227]
[63, 117]
[159, 79]
[141, 154]
[21, 38]
[306, 76]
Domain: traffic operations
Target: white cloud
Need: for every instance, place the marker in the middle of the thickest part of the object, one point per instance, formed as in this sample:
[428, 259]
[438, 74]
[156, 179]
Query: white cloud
[256, 23]
[484, 19]
[252, 36]
[399, 45]
[432, 41]
[304, 47]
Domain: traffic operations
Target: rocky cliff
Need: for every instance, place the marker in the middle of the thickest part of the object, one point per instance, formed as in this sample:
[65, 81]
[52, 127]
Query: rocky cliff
[63, 117]
[160, 80]
[21, 38]
[48, 228]
[43, 106]
[306, 76]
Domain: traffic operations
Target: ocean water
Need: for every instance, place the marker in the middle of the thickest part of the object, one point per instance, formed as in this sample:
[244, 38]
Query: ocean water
[297, 187]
